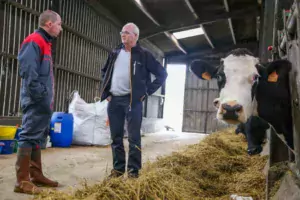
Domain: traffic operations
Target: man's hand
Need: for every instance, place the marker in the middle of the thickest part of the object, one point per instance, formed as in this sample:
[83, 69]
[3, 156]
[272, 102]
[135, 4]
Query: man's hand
[108, 98]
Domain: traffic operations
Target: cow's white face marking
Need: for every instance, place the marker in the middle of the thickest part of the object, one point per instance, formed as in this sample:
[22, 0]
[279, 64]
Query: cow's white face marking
[239, 72]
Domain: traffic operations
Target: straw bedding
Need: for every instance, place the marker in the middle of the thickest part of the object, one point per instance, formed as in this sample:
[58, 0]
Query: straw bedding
[215, 168]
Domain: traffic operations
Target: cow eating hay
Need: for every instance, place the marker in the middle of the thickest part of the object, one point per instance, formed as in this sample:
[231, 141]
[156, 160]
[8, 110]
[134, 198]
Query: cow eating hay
[252, 95]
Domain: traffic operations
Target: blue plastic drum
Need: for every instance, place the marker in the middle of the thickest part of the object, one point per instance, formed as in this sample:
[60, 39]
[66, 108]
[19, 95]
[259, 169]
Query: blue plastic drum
[61, 129]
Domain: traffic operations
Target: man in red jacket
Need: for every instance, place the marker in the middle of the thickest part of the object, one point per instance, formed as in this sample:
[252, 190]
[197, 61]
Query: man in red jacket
[37, 97]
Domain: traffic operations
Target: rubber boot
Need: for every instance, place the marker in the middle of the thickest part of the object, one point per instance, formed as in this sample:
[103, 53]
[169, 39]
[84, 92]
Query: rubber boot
[24, 185]
[36, 172]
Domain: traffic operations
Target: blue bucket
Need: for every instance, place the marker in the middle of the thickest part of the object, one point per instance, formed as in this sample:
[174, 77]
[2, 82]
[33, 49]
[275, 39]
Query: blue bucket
[61, 129]
[1, 146]
[8, 147]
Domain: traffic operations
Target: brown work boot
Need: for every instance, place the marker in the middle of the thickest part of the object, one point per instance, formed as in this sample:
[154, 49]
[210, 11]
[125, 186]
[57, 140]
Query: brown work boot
[36, 173]
[24, 185]
[115, 174]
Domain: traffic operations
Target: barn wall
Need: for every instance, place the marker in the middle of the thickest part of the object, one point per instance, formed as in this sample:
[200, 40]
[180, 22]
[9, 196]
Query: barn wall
[79, 52]
[199, 114]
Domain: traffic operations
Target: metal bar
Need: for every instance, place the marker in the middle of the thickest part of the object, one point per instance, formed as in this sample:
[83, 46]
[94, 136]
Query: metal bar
[21, 6]
[207, 37]
[207, 19]
[175, 41]
[60, 67]
[266, 30]
[163, 88]
[275, 25]
[65, 27]
[292, 21]
[207, 106]
[296, 134]
[189, 5]
[3, 23]
[140, 5]
[278, 150]
[230, 22]
[6, 67]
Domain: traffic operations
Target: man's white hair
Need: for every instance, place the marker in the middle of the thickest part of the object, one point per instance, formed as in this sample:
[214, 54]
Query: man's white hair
[136, 29]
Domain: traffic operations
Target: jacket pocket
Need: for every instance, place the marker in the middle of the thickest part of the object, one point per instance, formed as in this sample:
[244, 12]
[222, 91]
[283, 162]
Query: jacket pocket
[45, 67]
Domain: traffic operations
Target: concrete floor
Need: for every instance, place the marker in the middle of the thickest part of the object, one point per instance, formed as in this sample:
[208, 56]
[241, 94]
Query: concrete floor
[70, 166]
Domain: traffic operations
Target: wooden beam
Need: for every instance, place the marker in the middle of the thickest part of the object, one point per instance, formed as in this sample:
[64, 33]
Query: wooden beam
[205, 19]
[230, 22]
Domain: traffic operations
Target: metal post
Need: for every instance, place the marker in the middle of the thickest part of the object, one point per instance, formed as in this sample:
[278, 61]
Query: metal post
[275, 33]
[296, 122]
[163, 89]
[266, 30]
[207, 106]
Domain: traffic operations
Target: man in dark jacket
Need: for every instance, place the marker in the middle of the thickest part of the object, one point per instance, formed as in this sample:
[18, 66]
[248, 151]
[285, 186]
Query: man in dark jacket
[126, 83]
[37, 97]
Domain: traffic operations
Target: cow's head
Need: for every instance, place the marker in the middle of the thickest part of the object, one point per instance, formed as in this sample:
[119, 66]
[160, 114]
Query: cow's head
[237, 78]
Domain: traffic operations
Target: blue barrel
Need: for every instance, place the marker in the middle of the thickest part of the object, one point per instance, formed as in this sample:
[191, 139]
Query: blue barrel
[61, 129]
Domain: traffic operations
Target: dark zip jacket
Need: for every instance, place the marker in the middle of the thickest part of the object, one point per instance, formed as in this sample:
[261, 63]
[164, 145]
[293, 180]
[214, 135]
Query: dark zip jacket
[142, 64]
[36, 71]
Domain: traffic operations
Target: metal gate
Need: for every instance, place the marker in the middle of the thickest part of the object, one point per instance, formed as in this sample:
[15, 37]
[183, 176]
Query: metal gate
[199, 114]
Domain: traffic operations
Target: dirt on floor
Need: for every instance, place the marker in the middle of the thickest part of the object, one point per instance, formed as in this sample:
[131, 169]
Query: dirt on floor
[70, 166]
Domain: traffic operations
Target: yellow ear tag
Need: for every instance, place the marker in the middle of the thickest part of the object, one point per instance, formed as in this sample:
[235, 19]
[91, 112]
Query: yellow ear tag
[273, 77]
[206, 76]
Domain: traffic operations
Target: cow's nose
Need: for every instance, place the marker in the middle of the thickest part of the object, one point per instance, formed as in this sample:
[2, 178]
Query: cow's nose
[231, 110]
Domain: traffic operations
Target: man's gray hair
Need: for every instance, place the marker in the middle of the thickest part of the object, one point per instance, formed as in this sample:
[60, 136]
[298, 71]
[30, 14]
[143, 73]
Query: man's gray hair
[136, 29]
[47, 15]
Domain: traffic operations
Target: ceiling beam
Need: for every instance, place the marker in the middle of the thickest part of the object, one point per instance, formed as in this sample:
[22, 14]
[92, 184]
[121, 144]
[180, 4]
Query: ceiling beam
[101, 11]
[206, 19]
[217, 52]
[189, 5]
[175, 41]
[139, 4]
[230, 22]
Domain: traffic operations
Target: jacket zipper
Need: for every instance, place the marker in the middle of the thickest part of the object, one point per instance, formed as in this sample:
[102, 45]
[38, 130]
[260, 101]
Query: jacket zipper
[130, 83]
[134, 67]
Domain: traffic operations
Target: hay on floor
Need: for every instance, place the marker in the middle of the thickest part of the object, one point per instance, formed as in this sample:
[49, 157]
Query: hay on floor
[213, 169]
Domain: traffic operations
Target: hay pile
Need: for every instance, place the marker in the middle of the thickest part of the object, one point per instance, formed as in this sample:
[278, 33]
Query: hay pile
[213, 169]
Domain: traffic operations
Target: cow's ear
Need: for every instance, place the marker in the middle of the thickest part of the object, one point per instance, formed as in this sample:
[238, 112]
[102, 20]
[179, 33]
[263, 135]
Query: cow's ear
[203, 69]
[278, 68]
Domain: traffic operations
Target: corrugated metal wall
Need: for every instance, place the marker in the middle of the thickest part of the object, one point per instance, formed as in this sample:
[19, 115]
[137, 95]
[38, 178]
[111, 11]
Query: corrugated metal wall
[79, 52]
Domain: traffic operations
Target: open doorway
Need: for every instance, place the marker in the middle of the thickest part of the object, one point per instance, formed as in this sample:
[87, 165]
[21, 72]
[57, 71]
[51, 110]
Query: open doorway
[174, 96]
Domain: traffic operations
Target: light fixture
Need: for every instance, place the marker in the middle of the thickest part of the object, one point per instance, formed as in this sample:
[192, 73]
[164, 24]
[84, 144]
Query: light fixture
[188, 33]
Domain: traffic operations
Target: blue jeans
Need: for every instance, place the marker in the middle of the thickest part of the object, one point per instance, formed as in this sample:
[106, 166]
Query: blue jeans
[118, 110]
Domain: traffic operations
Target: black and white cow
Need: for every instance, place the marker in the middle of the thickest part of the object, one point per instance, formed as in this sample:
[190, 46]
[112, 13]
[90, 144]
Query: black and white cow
[252, 95]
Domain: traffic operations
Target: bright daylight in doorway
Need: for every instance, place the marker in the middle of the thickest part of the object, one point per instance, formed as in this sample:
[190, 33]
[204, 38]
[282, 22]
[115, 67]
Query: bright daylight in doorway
[173, 109]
